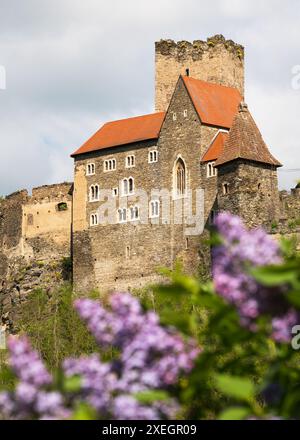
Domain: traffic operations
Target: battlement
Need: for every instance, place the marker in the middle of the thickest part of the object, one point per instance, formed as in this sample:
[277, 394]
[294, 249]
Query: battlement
[215, 60]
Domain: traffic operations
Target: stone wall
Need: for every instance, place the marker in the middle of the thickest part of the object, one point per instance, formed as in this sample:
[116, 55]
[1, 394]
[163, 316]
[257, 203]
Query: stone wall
[216, 60]
[35, 240]
[252, 192]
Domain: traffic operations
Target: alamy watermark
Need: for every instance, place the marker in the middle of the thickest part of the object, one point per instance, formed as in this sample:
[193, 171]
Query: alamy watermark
[296, 338]
[296, 77]
[160, 206]
[2, 78]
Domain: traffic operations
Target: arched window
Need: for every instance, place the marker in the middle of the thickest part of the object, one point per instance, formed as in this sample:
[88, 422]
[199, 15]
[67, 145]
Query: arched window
[94, 220]
[180, 178]
[127, 186]
[134, 213]
[94, 193]
[122, 215]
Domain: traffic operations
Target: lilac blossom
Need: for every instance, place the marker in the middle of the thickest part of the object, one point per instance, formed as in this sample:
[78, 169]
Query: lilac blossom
[241, 249]
[150, 357]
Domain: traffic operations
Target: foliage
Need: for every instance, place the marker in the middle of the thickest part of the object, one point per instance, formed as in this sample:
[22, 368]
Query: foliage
[242, 365]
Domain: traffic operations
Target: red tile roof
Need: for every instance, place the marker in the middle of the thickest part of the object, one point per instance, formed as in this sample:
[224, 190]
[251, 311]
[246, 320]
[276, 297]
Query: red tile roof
[245, 141]
[215, 104]
[124, 131]
[216, 147]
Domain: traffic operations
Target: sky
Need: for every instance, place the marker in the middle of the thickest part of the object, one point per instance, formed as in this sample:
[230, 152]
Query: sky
[72, 65]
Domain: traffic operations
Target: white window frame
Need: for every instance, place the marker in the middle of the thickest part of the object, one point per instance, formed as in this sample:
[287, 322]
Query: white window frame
[225, 188]
[115, 192]
[130, 161]
[109, 165]
[153, 156]
[185, 113]
[122, 215]
[94, 193]
[154, 209]
[94, 219]
[132, 210]
[174, 116]
[211, 171]
[125, 186]
[90, 169]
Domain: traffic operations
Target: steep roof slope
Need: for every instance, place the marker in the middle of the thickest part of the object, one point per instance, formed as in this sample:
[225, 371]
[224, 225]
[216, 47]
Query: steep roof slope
[215, 104]
[122, 132]
[215, 149]
[245, 141]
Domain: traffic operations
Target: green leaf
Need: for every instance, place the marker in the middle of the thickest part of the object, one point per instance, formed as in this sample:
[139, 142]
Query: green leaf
[234, 413]
[237, 387]
[72, 384]
[275, 275]
[84, 412]
[151, 396]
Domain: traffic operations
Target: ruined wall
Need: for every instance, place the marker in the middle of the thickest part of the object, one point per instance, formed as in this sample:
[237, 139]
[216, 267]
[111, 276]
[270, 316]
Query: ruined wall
[216, 60]
[35, 237]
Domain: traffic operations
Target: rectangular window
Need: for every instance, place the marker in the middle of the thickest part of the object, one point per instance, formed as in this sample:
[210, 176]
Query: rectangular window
[109, 165]
[225, 187]
[153, 156]
[130, 161]
[134, 213]
[90, 169]
[185, 113]
[211, 171]
[174, 116]
[122, 215]
[154, 209]
[115, 192]
[94, 220]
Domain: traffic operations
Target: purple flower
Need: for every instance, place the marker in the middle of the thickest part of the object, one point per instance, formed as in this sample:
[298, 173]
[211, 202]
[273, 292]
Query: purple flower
[240, 249]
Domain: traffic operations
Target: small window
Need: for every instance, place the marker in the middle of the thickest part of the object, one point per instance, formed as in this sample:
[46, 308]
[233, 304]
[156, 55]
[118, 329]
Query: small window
[134, 213]
[115, 192]
[110, 165]
[154, 209]
[180, 178]
[90, 169]
[62, 206]
[153, 156]
[122, 215]
[174, 116]
[225, 188]
[212, 217]
[211, 171]
[94, 194]
[94, 220]
[128, 252]
[185, 113]
[186, 243]
[130, 161]
[187, 71]
[128, 186]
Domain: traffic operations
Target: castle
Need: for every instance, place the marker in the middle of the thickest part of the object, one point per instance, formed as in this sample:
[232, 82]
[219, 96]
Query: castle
[125, 214]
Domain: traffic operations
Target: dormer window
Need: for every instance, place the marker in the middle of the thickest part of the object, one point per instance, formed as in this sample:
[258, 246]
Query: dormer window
[153, 156]
[211, 171]
[90, 169]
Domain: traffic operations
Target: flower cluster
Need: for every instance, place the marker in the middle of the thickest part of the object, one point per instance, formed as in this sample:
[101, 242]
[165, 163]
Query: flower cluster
[150, 357]
[241, 249]
[32, 396]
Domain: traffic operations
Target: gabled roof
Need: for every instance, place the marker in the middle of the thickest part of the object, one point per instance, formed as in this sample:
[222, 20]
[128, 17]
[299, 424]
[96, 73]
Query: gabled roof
[215, 148]
[245, 141]
[215, 104]
[124, 131]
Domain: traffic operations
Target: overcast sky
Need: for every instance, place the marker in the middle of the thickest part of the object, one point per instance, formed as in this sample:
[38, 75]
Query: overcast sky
[72, 65]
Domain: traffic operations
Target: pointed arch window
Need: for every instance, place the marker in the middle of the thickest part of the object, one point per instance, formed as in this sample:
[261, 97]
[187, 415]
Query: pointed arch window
[180, 178]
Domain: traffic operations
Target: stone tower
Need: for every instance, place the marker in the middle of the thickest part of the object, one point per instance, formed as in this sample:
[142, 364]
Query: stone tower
[247, 174]
[216, 60]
